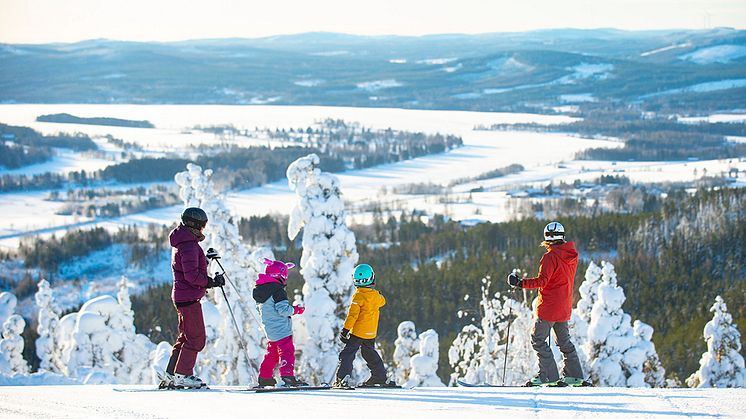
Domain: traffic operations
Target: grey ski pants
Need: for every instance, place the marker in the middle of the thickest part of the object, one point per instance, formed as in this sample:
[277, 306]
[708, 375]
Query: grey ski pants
[547, 366]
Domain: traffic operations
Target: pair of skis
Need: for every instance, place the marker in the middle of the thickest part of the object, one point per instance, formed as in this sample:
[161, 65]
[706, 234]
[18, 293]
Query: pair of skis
[237, 390]
[465, 384]
[307, 388]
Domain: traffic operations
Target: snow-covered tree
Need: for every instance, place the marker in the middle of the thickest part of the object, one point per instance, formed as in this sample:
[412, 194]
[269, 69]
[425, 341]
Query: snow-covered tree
[49, 316]
[90, 352]
[11, 347]
[722, 365]
[589, 291]
[328, 259]
[102, 346]
[8, 303]
[617, 355]
[477, 355]
[655, 374]
[425, 363]
[135, 354]
[406, 345]
[581, 314]
[223, 361]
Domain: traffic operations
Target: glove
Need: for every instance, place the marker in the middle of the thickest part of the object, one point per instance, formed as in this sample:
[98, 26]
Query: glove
[212, 254]
[344, 336]
[217, 281]
[298, 309]
[514, 281]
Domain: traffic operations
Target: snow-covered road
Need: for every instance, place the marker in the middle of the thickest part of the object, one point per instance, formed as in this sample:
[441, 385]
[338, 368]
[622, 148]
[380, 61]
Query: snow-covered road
[103, 401]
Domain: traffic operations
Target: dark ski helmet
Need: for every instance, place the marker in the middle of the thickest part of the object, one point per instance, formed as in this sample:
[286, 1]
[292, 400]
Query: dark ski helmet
[194, 217]
[364, 276]
[554, 231]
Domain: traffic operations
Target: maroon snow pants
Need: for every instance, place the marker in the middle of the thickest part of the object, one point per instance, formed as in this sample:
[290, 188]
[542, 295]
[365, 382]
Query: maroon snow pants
[191, 338]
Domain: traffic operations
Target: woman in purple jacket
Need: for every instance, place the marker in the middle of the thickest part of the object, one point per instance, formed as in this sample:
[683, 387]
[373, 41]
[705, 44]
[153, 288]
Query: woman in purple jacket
[189, 266]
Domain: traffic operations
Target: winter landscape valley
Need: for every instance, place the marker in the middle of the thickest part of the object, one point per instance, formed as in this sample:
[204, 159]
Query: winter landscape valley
[440, 161]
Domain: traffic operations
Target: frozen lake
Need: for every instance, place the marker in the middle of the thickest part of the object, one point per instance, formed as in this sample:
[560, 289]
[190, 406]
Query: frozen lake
[545, 156]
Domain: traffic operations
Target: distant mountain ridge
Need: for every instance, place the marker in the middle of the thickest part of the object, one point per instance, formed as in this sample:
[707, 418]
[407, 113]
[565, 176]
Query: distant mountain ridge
[536, 70]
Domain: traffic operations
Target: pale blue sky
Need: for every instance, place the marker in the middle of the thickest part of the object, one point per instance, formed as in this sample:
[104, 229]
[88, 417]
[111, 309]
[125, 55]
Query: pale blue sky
[37, 21]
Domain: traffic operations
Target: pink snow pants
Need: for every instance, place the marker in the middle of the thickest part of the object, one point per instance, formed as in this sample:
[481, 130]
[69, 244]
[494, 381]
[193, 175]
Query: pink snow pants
[191, 338]
[282, 352]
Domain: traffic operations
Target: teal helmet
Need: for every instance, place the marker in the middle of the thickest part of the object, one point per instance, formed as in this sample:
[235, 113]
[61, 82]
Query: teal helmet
[364, 275]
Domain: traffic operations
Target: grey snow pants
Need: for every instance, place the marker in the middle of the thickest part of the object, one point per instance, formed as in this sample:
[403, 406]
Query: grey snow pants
[547, 366]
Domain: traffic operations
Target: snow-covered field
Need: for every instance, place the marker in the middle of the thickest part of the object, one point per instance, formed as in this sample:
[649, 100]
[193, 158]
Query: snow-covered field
[716, 54]
[711, 86]
[721, 117]
[103, 400]
[367, 187]
[483, 151]
[546, 157]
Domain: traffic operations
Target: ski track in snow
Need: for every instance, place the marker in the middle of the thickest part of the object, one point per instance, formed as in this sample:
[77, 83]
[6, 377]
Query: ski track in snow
[515, 402]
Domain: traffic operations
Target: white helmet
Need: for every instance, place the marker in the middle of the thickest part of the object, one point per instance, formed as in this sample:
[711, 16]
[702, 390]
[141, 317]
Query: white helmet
[554, 231]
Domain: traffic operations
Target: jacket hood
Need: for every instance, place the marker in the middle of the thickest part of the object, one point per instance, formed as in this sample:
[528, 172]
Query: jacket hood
[264, 290]
[180, 235]
[566, 251]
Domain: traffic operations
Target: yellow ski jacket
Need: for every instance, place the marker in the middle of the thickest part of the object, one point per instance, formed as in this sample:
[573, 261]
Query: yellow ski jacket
[362, 318]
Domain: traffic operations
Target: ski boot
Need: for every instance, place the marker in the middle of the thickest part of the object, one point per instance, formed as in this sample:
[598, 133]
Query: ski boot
[266, 382]
[342, 383]
[538, 382]
[381, 383]
[167, 380]
[576, 382]
[187, 381]
[291, 381]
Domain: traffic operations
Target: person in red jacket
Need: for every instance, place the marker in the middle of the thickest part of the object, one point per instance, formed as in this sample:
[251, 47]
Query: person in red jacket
[191, 281]
[555, 283]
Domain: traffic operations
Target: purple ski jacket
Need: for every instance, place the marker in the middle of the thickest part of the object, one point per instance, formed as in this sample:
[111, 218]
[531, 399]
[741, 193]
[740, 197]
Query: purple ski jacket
[189, 265]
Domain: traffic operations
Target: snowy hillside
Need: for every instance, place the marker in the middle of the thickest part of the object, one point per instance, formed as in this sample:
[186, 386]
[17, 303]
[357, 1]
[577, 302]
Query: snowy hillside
[516, 402]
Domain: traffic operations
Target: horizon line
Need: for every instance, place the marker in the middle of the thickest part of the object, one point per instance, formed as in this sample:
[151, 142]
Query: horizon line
[392, 35]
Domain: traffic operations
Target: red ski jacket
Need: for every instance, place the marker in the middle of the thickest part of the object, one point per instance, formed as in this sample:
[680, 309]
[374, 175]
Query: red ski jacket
[555, 282]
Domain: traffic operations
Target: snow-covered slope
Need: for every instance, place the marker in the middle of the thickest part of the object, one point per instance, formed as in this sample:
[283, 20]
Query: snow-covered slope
[516, 402]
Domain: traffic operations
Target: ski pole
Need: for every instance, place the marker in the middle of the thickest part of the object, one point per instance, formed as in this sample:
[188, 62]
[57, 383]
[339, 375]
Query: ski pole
[507, 341]
[241, 342]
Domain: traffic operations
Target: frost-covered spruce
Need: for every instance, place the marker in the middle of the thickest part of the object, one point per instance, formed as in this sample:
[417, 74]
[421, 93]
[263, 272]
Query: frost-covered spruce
[47, 348]
[406, 345]
[223, 361]
[328, 259]
[135, 354]
[464, 356]
[616, 354]
[589, 290]
[425, 364]
[8, 303]
[477, 355]
[100, 344]
[581, 314]
[522, 360]
[655, 374]
[11, 347]
[722, 365]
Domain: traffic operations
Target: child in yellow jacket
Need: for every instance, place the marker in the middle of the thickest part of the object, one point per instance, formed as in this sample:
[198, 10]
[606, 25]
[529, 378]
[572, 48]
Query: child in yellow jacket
[360, 329]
